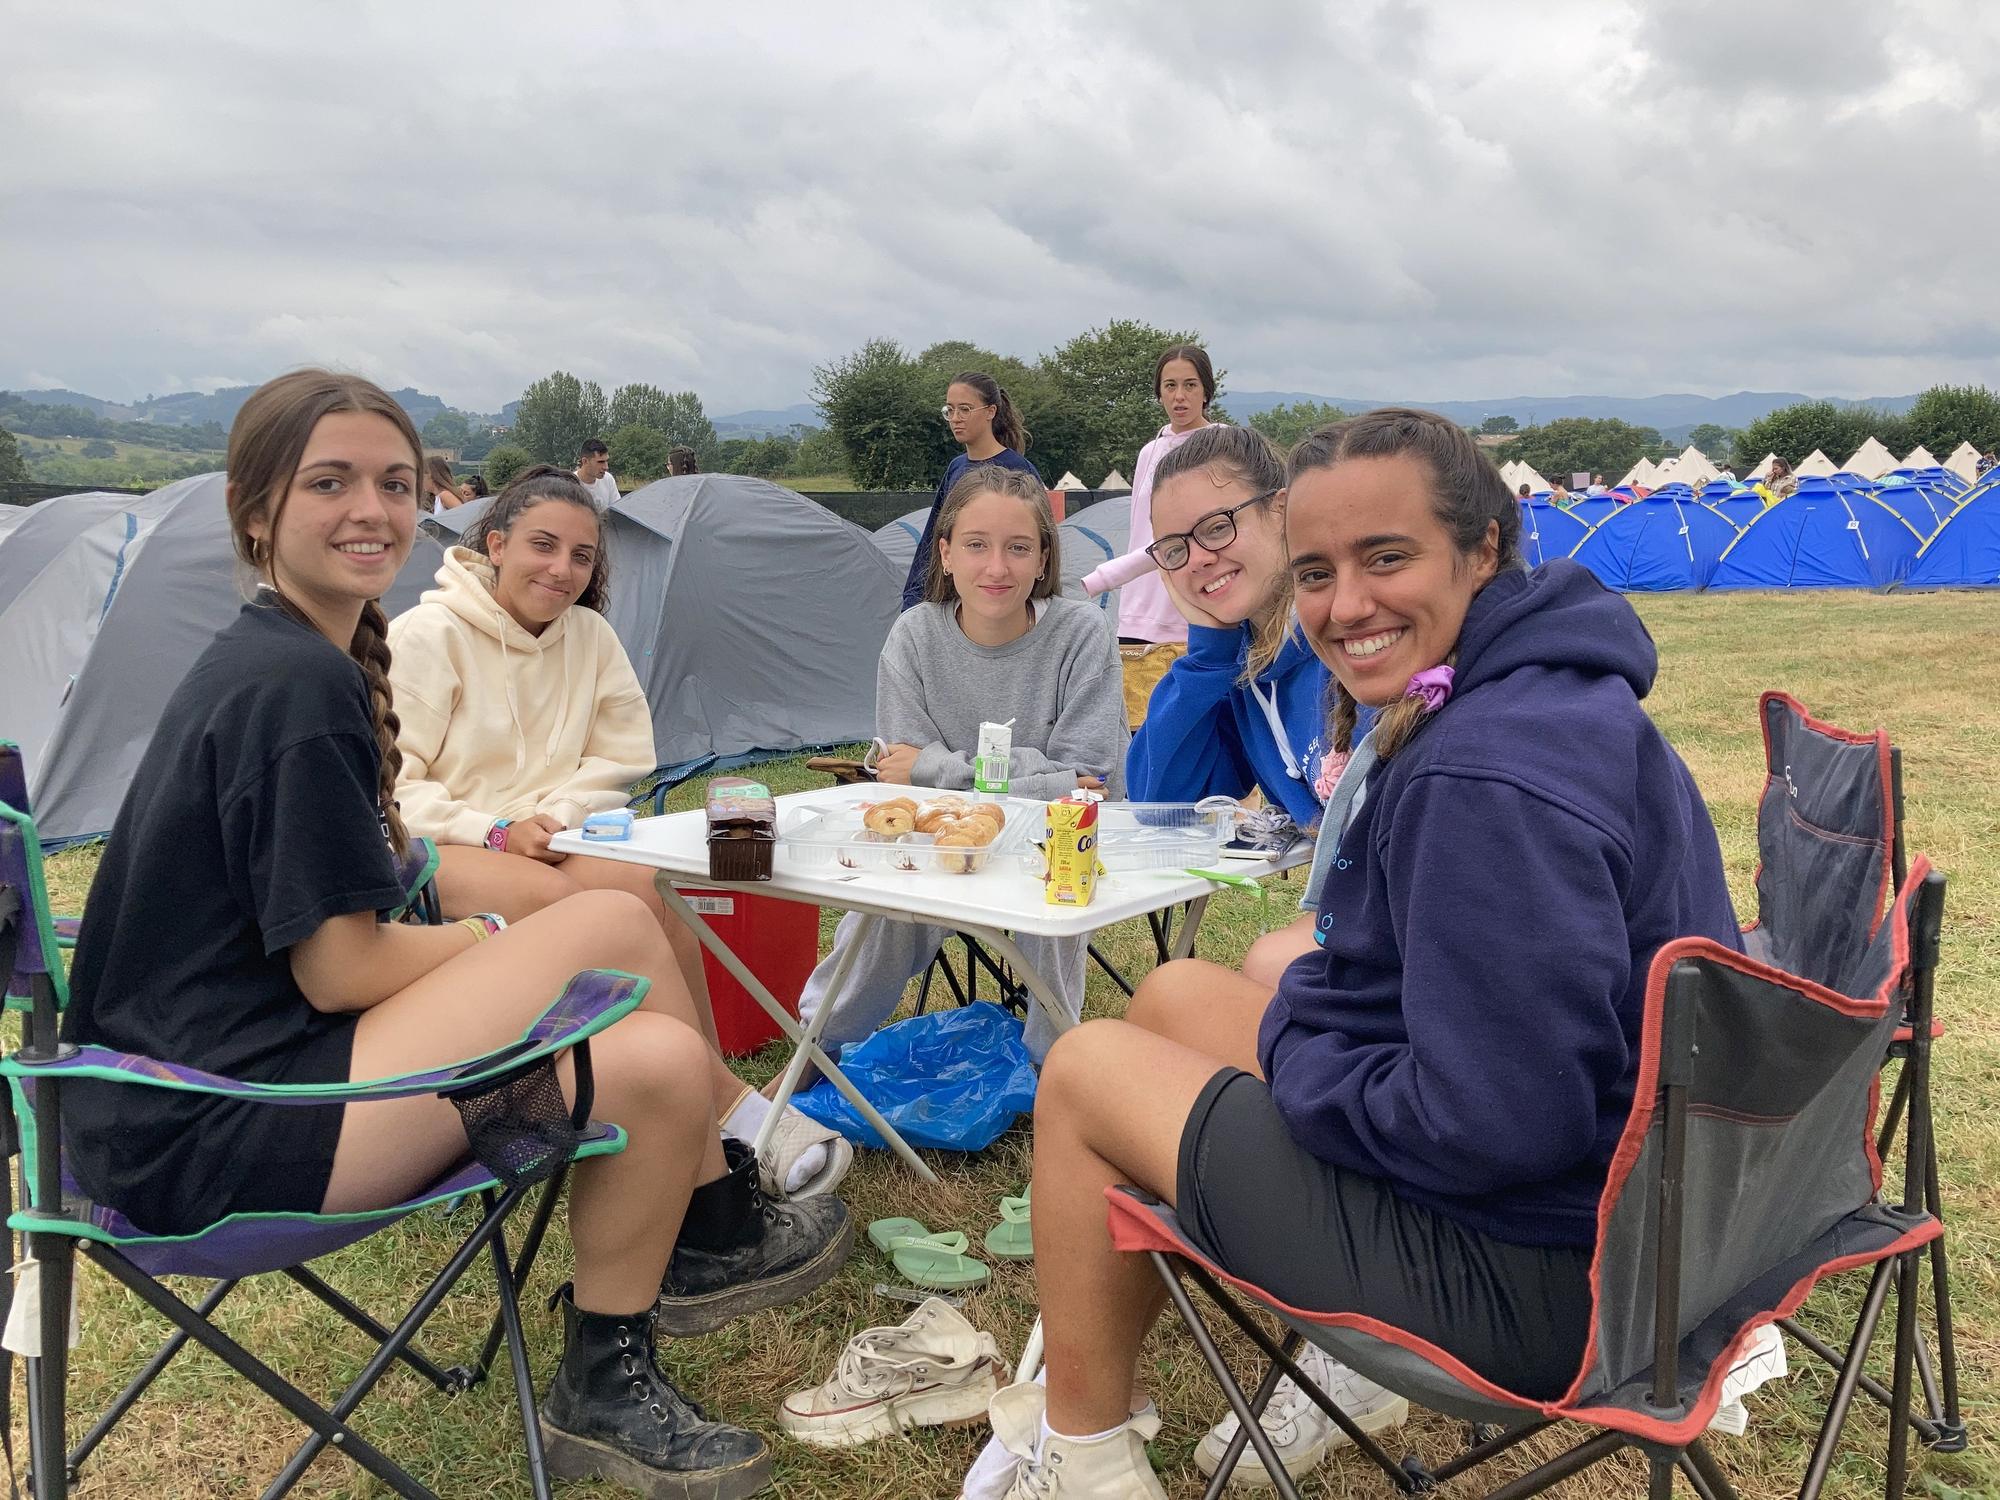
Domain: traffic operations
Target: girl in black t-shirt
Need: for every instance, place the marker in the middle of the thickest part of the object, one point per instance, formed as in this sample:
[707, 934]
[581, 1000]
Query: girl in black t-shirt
[233, 927]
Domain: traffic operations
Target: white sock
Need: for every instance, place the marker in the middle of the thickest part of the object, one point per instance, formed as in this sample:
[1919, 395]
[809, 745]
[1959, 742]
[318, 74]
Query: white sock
[1095, 1437]
[747, 1118]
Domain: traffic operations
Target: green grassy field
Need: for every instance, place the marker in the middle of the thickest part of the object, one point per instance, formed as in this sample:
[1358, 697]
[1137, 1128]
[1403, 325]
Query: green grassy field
[1926, 666]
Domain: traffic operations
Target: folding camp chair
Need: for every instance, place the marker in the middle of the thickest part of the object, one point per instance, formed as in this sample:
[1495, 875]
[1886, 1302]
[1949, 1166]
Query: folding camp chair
[522, 1135]
[1745, 1173]
[1830, 858]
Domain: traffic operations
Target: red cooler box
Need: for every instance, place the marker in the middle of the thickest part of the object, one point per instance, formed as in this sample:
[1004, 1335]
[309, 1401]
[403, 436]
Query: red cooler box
[778, 941]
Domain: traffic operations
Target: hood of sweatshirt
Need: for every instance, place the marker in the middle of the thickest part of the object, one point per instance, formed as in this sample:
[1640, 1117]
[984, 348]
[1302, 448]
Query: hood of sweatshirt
[1558, 616]
[465, 587]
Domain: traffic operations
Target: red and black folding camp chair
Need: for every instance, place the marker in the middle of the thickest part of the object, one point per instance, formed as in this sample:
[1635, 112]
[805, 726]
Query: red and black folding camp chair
[1830, 860]
[1746, 1172]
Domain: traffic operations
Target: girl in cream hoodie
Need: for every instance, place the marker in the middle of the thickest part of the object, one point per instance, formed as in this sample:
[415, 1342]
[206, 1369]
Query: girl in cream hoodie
[521, 716]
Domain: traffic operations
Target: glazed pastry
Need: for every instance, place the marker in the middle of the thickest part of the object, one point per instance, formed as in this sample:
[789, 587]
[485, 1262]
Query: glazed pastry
[891, 820]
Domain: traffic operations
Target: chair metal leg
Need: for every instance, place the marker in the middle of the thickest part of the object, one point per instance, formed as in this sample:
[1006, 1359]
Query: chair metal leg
[115, 1412]
[1845, 1386]
[1591, 1450]
[1247, 1325]
[1950, 1437]
[378, 1365]
[1259, 1399]
[1106, 965]
[1218, 1367]
[1660, 1479]
[49, 1373]
[524, 1266]
[517, 1357]
[1704, 1464]
[1899, 1387]
[1869, 1385]
[325, 1426]
[1476, 1455]
[451, 1382]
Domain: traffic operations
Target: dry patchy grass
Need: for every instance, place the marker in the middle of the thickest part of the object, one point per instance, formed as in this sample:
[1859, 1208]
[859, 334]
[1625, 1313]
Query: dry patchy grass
[1926, 666]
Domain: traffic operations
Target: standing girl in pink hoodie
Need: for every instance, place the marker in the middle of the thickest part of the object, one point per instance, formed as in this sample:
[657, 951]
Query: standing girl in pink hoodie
[1152, 633]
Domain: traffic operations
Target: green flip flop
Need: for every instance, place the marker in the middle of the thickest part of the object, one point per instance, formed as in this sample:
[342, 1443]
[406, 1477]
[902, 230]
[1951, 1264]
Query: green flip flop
[1013, 1238]
[937, 1262]
[882, 1231]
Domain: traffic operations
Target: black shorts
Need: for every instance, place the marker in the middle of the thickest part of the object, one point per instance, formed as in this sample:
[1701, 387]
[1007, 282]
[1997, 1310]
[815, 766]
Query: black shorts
[174, 1163]
[1325, 1239]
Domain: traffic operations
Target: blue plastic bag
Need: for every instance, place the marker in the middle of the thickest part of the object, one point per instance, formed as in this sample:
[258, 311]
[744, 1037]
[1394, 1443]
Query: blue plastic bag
[951, 1079]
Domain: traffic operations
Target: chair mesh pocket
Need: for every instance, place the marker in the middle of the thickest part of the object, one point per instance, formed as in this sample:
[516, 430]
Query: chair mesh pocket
[518, 1124]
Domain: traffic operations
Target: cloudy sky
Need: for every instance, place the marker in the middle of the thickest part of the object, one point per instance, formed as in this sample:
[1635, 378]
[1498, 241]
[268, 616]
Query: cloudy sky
[1426, 199]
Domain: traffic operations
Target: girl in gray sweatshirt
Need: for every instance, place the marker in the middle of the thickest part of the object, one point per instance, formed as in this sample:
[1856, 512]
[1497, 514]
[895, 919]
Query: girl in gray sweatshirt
[992, 641]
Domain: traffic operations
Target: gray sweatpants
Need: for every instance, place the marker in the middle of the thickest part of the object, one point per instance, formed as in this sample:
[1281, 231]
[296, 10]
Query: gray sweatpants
[891, 954]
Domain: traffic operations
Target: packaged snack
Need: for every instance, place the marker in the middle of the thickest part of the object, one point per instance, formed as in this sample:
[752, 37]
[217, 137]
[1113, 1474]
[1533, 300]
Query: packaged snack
[1070, 853]
[742, 829]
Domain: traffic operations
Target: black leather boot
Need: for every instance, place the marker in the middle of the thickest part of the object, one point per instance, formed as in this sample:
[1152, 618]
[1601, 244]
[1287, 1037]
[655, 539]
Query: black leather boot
[739, 1252]
[611, 1413]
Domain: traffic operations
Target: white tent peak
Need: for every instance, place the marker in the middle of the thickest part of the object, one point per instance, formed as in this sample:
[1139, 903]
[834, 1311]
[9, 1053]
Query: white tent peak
[1693, 467]
[1069, 481]
[1918, 457]
[1114, 481]
[1815, 465]
[1763, 469]
[1964, 462]
[1642, 474]
[1871, 460]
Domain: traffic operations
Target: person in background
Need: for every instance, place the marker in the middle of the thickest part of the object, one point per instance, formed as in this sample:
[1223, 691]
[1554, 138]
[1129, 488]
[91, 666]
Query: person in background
[1522, 494]
[439, 490]
[1559, 495]
[1778, 483]
[593, 471]
[1152, 633]
[1597, 486]
[472, 488]
[681, 460]
[982, 419]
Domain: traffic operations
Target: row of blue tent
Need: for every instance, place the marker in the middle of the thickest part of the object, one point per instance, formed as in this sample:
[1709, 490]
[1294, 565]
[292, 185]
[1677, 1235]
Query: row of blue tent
[1921, 528]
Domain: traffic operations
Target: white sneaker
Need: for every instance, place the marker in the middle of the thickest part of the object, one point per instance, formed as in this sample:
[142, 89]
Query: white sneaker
[798, 1133]
[934, 1369]
[1299, 1430]
[1060, 1468]
[1016, 1414]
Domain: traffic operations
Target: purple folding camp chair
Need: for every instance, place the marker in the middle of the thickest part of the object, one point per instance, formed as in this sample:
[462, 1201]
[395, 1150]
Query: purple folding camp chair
[521, 1131]
[1746, 1172]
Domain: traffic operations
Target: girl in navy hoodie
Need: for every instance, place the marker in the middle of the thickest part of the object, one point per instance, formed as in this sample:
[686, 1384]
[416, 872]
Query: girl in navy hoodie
[1418, 1125]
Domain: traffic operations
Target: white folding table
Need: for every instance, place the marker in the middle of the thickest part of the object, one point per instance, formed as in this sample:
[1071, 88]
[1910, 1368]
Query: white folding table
[990, 905]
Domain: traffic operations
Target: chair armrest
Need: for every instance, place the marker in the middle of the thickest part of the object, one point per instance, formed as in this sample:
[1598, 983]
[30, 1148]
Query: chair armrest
[590, 1002]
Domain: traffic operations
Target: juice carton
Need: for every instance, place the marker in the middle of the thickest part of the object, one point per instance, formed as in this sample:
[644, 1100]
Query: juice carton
[990, 770]
[1070, 874]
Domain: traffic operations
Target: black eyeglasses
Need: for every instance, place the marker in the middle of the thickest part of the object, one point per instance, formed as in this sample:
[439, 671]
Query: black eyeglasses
[1214, 531]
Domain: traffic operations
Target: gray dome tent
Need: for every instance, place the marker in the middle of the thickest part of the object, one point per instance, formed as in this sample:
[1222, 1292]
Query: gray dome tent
[105, 613]
[1090, 539]
[753, 615]
[898, 539]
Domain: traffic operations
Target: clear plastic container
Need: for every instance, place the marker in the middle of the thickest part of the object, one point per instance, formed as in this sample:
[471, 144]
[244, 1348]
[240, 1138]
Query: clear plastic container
[836, 835]
[1158, 835]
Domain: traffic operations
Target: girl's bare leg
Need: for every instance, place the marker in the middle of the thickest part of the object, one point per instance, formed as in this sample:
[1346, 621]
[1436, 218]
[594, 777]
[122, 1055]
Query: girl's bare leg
[1274, 952]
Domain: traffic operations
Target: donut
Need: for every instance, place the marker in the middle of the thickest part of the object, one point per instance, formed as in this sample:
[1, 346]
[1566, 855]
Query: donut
[889, 820]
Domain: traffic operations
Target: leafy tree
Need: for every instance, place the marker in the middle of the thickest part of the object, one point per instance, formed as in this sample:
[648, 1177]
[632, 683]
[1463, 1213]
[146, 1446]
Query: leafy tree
[1501, 423]
[675, 415]
[13, 468]
[765, 457]
[639, 453]
[479, 442]
[448, 429]
[819, 454]
[881, 407]
[1713, 439]
[558, 414]
[1285, 425]
[97, 448]
[1574, 445]
[1946, 415]
[504, 462]
[1101, 407]
[1793, 432]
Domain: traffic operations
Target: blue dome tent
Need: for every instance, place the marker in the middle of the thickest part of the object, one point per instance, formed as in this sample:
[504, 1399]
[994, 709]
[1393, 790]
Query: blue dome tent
[1739, 508]
[1657, 545]
[1547, 532]
[1923, 506]
[1964, 553]
[1592, 509]
[1820, 539]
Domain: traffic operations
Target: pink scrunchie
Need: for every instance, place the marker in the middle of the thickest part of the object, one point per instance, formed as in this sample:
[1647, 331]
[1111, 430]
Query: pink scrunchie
[1433, 685]
[1331, 765]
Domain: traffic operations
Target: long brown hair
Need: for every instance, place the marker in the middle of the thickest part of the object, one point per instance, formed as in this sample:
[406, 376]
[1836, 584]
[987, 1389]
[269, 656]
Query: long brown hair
[266, 442]
[991, 479]
[529, 488]
[1008, 430]
[1246, 456]
[1468, 497]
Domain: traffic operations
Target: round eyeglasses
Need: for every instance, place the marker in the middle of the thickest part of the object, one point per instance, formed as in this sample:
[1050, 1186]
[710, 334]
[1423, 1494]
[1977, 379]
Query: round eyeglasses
[1213, 531]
